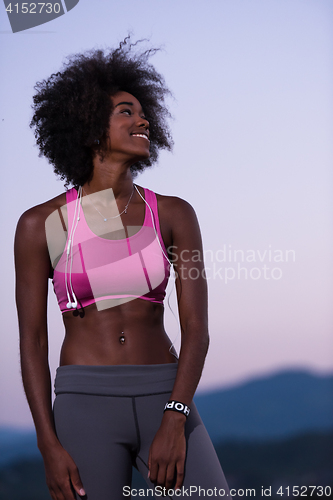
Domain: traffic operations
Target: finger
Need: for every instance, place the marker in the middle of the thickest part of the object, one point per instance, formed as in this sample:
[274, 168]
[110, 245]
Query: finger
[57, 494]
[67, 492]
[149, 464]
[153, 471]
[76, 482]
[180, 475]
[161, 476]
[52, 493]
[64, 491]
[170, 476]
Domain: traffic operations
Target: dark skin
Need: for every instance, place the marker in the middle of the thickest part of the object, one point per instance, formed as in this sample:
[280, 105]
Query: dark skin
[94, 338]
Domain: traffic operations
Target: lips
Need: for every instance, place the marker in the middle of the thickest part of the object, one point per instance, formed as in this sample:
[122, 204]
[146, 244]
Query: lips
[144, 135]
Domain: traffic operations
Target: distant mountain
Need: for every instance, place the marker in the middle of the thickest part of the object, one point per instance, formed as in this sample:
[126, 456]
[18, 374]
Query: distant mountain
[304, 459]
[277, 406]
[273, 465]
[17, 444]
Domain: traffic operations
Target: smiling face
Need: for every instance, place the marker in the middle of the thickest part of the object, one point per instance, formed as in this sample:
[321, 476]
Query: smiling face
[128, 130]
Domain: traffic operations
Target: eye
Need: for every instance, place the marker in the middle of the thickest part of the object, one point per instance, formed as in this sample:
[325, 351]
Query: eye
[126, 111]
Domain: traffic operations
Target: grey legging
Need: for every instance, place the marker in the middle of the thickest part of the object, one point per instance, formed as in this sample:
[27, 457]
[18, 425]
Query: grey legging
[106, 418]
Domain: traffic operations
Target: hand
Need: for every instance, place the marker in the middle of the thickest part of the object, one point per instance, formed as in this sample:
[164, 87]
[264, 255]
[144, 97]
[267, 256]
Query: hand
[62, 475]
[167, 452]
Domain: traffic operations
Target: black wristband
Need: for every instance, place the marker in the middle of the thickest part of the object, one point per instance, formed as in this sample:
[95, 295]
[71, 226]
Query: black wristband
[177, 406]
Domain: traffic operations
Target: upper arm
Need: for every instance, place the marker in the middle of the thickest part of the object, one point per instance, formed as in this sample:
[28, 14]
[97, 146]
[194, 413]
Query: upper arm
[32, 266]
[187, 257]
[56, 234]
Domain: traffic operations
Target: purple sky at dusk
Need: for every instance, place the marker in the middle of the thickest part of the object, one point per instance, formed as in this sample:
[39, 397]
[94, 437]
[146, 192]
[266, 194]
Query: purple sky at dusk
[252, 108]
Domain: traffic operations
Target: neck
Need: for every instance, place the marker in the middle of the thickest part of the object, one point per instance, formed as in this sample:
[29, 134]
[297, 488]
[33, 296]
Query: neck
[107, 175]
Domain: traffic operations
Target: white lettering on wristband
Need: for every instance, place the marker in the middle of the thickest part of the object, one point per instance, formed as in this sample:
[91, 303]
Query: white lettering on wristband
[177, 406]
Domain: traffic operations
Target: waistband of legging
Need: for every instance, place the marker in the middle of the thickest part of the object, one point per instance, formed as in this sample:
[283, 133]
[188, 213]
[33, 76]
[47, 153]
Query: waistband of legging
[115, 380]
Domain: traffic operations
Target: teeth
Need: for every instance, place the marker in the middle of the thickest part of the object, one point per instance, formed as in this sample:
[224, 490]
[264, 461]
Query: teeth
[141, 135]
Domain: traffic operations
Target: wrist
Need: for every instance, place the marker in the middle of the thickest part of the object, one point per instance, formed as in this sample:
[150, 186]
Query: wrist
[174, 419]
[47, 444]
[177, 407]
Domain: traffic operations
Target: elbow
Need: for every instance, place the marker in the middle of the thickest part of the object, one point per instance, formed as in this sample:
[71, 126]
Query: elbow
[203, 342]
[206, 341]
[197, 334]
[33, 343]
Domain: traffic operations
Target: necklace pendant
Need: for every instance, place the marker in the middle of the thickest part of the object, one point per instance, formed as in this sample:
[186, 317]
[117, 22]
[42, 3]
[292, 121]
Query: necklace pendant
[115, 216]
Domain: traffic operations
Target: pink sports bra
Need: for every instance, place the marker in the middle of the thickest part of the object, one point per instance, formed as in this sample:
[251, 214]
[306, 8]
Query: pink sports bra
[97, 269]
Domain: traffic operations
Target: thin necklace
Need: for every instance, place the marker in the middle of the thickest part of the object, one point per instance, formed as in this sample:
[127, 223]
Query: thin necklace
[115, 216]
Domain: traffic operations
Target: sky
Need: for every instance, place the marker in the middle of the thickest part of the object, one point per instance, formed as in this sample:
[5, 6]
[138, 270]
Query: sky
[252, 125]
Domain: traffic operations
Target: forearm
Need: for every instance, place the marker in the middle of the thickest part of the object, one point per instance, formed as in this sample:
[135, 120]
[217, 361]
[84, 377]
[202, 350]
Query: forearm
[61, 472]
[168, 450]
[37, 386]
[194, 347]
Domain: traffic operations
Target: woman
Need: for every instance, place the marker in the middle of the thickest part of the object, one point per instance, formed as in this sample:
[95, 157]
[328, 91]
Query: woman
[105, 244]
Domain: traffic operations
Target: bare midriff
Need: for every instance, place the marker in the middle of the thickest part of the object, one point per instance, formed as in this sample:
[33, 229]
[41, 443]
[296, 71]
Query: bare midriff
[128, 334]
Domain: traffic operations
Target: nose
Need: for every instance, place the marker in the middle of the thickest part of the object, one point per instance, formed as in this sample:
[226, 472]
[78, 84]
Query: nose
[143, 122]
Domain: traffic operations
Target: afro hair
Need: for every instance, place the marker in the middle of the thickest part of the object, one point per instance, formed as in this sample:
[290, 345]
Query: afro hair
[72, 108]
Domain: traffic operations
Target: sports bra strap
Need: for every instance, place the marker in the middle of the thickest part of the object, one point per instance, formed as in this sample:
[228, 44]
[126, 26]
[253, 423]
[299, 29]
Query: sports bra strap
[151, 199]
[71, 197]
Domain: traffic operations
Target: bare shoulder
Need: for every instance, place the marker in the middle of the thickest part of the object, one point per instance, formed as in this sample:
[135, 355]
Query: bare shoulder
[176, 210]
[32, 221]
[184, 233]
[173, 202]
